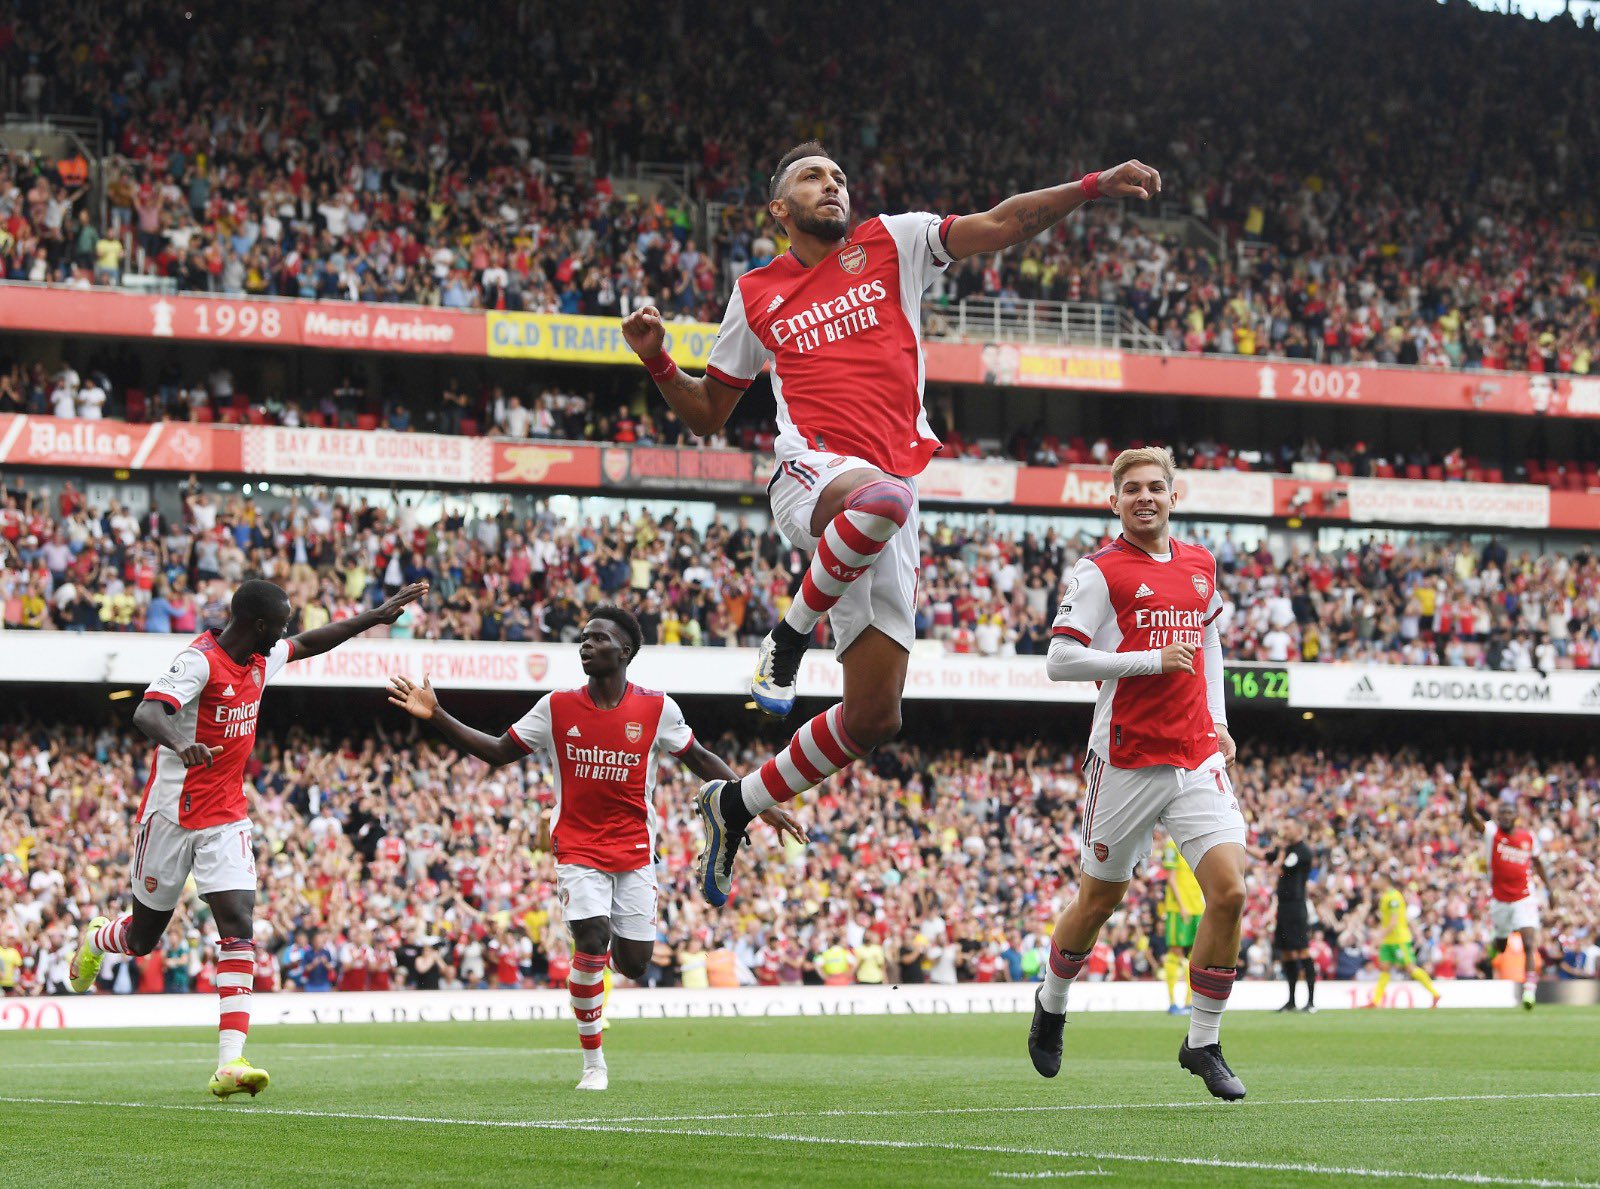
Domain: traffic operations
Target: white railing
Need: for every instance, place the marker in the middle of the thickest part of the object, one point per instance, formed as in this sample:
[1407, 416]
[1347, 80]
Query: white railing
[1059, 323]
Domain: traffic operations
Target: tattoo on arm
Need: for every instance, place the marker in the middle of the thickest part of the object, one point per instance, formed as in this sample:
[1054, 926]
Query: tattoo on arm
[1033, 219]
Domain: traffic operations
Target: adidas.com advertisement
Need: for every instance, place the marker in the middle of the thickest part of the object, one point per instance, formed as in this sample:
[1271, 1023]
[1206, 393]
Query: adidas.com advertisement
[1403, 687]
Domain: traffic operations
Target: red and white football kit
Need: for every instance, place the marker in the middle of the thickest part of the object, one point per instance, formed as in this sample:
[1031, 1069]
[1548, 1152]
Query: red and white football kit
[195, 820]
[604, 827]
[1153, 753]
[844, 338]
[1512, 904]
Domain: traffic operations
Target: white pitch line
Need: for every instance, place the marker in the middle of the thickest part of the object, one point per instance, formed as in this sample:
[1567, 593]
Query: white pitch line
[1125, 1157]
[928, 1145]
[1186, 1104]
[347, 1050]
[1050, 1176]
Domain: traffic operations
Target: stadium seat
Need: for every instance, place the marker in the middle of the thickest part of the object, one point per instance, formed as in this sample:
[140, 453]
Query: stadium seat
[316, 421]
[366, 421]
[204, 415]
[469, 426]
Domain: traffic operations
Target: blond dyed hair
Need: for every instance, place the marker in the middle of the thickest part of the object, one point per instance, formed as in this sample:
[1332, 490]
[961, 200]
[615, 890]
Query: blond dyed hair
[1158, 456]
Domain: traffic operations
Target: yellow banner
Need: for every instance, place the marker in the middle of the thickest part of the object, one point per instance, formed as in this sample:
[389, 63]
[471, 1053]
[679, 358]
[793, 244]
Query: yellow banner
[577, 339]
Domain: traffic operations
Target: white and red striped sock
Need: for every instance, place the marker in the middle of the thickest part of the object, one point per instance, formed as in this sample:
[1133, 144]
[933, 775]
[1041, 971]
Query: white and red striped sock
[586, 988]
[1209, 989]
[818, 750]
[113, 938]
[849, 546]
[236, 963]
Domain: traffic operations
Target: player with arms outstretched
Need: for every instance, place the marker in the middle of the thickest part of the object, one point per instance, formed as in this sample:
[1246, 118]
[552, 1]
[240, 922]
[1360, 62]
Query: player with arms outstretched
[201, 714]
[1513, 908]
[1395, 949]
[839, 318]
[1139, 617]
[604, 741]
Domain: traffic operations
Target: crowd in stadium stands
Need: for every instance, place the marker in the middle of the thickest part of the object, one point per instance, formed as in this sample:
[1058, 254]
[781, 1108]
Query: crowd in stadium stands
[530, 575]
[362, 165]
[387, 861]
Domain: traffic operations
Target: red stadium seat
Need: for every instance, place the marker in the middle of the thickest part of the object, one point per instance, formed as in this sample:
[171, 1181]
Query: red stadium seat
[366, 421]
[469, 426]
[1413, 471]
[204, 415]
[1435, 473]
[136, 404]
[316, 421]
[1494, 475]
[255, 416]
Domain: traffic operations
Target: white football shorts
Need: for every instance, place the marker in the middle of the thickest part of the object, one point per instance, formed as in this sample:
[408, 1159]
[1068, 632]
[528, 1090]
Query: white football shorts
[1122, 805]
[886, 596]
[1508, 916]
[628, 898]
[165, 854]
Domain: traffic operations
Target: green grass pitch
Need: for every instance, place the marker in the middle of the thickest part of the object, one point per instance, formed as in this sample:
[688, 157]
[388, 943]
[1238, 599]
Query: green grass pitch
[1464, 1097]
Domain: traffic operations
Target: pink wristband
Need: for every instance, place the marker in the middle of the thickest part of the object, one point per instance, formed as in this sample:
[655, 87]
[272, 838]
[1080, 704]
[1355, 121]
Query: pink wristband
[1091, 185]
[660, 366]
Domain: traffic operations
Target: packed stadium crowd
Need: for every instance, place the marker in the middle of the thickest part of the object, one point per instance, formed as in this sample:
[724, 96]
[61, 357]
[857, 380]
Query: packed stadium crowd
[387, 860]
[365, 165]
[528, 574]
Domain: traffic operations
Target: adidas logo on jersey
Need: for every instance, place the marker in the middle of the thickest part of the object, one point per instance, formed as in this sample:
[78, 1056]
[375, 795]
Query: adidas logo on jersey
[775, 303]
[228, 693]
[1144, 592]
[574, 733]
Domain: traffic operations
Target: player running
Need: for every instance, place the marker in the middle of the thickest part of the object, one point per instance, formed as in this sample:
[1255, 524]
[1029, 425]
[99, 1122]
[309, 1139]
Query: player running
[1395, 951]
[605, 743]
[193, 819]
[1513, 850]
[838, 317]
[1139, 617]
[1182, 906]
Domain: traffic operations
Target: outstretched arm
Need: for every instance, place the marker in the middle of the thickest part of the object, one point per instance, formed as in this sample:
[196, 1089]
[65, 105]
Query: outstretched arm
[704, 404]
[330, 636]
[1544, 876]
[1469, 808]
[708, 766]
[1023, 216]
[421, 702]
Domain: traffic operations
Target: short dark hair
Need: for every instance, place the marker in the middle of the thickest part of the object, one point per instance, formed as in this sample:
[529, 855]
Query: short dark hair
[808, 148]
[258, 599]
[625, 620]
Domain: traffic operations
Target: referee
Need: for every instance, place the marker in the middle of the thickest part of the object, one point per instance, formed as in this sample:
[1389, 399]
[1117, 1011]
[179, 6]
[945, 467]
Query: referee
[1292, 936]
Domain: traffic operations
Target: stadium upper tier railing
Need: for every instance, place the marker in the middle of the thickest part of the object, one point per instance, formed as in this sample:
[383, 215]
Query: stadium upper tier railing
[1043, 323]
[1039, 345]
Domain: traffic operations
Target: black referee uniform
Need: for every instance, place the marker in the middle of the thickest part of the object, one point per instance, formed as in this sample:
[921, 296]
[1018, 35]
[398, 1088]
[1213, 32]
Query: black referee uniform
[1293, 932]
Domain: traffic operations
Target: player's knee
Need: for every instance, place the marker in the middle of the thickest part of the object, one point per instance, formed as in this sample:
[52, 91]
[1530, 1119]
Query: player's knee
[140, 944]
[591, 936]
[1226, 897]
[629, 965]
[870, 727]
[887, 498]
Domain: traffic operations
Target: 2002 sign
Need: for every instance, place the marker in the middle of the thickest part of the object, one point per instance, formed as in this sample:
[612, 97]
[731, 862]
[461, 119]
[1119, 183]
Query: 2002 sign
[1325, 383]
